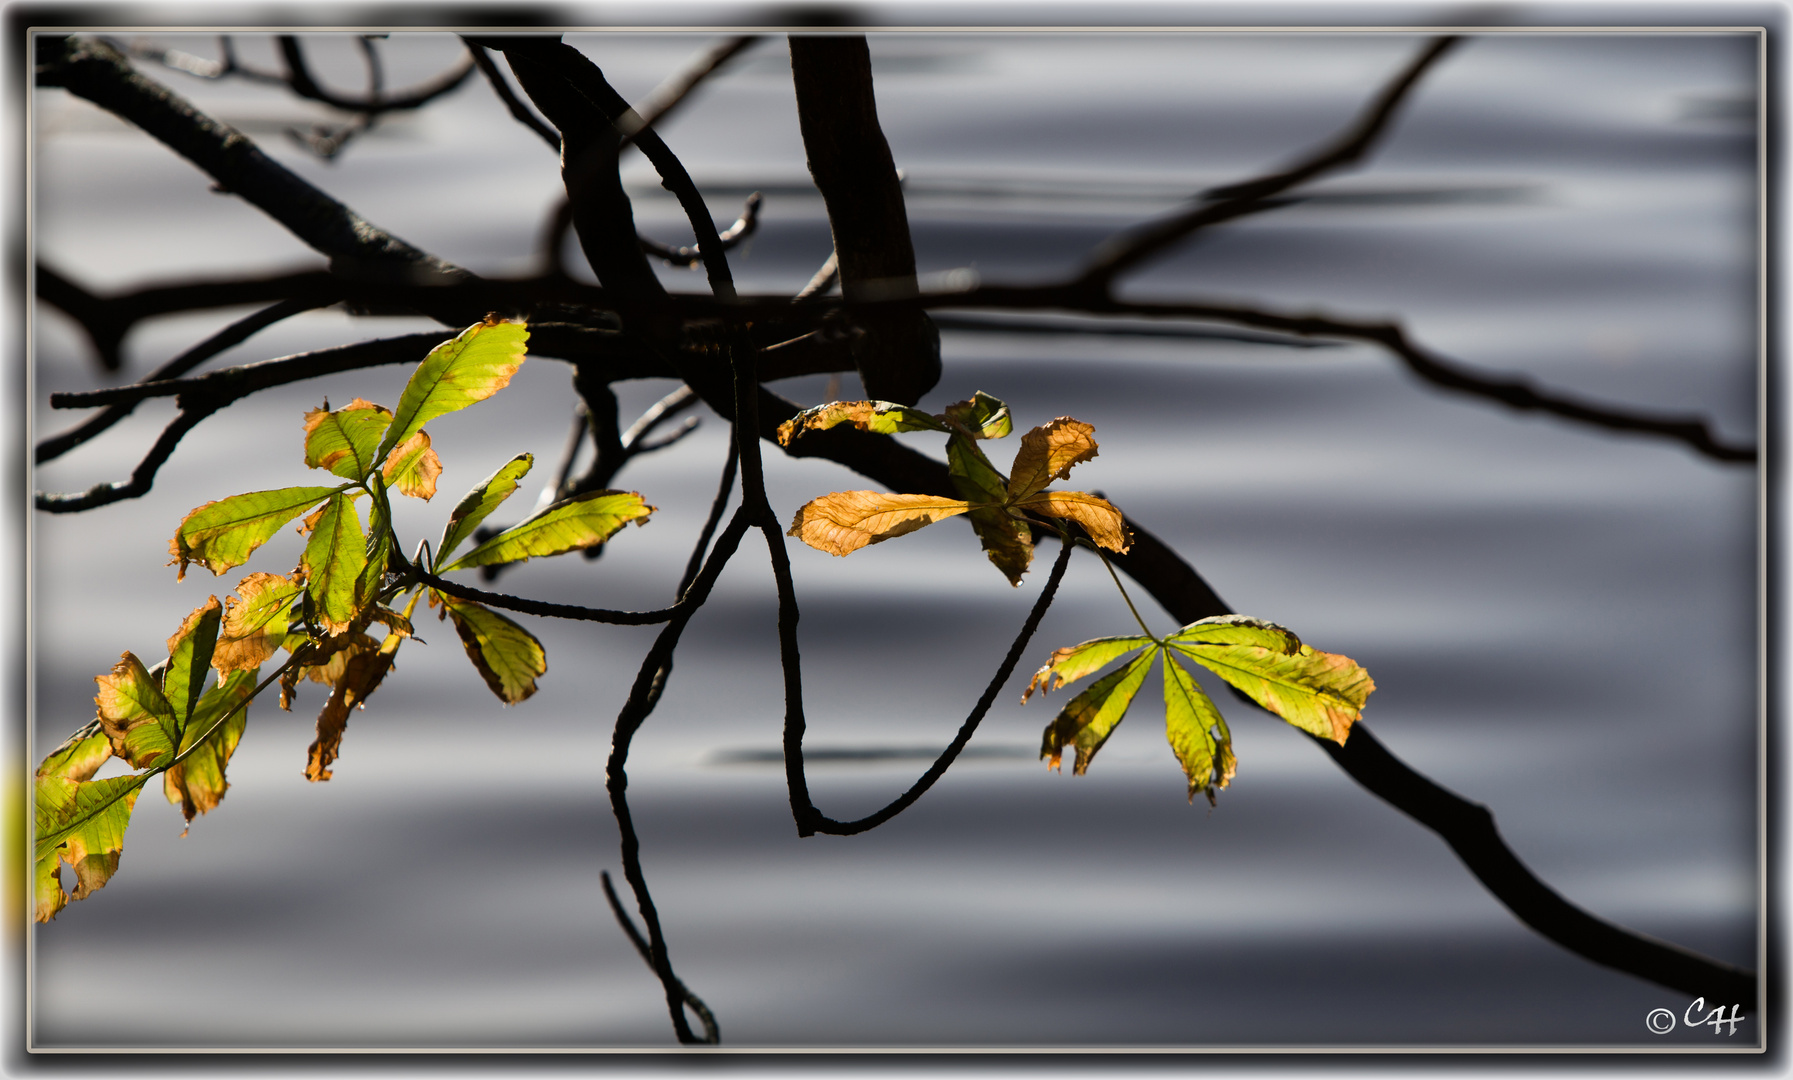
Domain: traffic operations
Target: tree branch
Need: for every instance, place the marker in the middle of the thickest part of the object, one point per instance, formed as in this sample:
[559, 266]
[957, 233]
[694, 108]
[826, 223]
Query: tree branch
[299, 78]
[515, 104]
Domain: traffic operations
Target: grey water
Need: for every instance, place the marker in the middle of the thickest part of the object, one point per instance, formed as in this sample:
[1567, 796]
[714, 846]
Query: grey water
[1561, 622]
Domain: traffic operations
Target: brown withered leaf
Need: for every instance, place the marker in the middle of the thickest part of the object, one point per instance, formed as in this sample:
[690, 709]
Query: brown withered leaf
[1099, 517]
[360, 678]
[1007, 540]
[845, 521]
[413, 467]
[1047, 454]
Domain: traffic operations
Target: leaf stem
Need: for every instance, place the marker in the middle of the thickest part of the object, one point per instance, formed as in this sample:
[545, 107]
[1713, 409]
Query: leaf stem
[1123, 588]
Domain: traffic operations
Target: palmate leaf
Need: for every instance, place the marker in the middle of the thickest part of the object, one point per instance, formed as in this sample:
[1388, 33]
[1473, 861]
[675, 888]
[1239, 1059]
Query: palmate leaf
[82, 823]
[507, 656]
[332, 563]
[1321, 693]
[1091, 717]
[343, 441]
[1196, 731]
[222, 534]
[1073, 662]
[481, 501]
[579, 522]
[471, 368]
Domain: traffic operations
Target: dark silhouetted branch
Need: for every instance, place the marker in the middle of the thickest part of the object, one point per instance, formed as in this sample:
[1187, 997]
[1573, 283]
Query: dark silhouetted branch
[669, 95]
[142, 477]
[692, 257]
[811, 820]
[712, 1034]
[543, 607]
[502, 88]
[1123, 252]
[234, 334]
[299, 77]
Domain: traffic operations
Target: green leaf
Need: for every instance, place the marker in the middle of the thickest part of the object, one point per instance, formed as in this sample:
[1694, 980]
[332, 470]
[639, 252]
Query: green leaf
[82, 823]
[413, 468]
[1238, 630]
[579, 522]
[982, 415]
[1196, 731]
[1073, 662]
[973, 476]
[333, 561]
[1320, 693]
[189, 658]
[222, 534]
[256, 624]
[880, 417]
[135, 715]
[471, 368]
[343, 441]
[482, 500]
[379, 546]
[1092, 715]
[197, 783]
[508, 657]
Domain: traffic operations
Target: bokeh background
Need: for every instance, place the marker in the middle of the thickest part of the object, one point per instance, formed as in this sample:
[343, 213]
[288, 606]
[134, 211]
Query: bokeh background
[1561, 623]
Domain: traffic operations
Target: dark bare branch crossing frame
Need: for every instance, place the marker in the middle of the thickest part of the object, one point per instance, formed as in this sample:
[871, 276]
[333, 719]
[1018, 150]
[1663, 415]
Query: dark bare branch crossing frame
[724, 346]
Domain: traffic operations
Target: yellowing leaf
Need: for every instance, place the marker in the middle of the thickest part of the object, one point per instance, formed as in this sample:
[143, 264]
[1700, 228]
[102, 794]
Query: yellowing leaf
[1073, 662]
[360, 678]
[1196, 731]
[82, 823]
[845, 521]
[1320, 693]
[508, 657]
[881, 417]
[197, 783]
[1100, 518]
[983, 416]
[475, 365]
[1091, 716]
[255, 621]
[333, 561]
[1047, 454]
[80, 756]
[1238, 630]
[1007, 540]
[134, 714]
[413, 468]
[579, 522]
[344, 441]
[481, 501]
[222, 534]
[189, 657]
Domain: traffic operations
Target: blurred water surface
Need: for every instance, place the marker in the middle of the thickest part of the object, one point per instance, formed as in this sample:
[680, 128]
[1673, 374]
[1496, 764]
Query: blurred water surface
[1561, 623]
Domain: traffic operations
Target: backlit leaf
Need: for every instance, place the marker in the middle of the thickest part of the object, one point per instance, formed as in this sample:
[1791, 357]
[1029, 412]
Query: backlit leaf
[1091, 716]
[255, 621]
[579, 522]
[482, 500]
[1007, 540]
[1197, 733]
[1320, 693]
[82, 823]
[360, 678]
[1047, 454]
[190, 657]
[1073, 662]
[413, 468]
[845, 521]
[332, 563]
[475, 365]
[982, 415]
[881, 417]
[378, 546]
[974, 478]
[80, 756]
[197, 783]
[508, 657]
[1100, 518]
[134, 714]
[222, 534]
[1238, 630]
[343, 441]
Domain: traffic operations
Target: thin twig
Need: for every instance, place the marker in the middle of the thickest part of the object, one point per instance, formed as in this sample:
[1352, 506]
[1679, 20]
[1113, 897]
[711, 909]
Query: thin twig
[543, 607]
[811, 820]
[712, 1034]
[143, 476]
[731, 237]
[724, 488]
[670, 94]
[55, 446]
[299, 77]
[502, 87]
